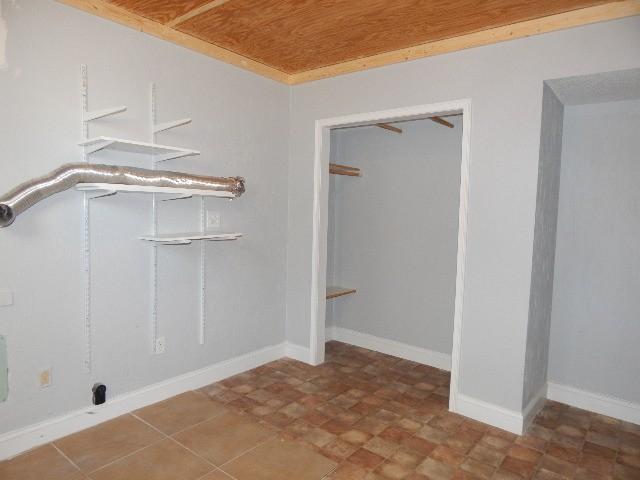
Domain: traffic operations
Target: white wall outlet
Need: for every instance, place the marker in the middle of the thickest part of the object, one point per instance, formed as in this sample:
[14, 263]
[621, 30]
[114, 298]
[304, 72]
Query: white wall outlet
[213, 220]
[44, 378]
[160, 345]
[6, 298]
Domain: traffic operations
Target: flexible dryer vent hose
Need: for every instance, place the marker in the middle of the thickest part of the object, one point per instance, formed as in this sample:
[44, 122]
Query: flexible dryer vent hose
[69, 175]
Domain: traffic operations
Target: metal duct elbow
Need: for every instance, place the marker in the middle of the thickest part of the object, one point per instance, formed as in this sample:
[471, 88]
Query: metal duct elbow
[69, 175]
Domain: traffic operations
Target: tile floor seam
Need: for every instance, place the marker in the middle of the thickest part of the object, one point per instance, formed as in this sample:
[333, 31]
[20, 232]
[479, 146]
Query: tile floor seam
[66, 457]
[90, 473]
[246, 451]
[215, 467]
[194, 425]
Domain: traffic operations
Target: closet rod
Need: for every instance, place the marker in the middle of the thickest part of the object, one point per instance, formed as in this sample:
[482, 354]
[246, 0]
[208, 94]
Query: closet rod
[386, 126]
[343, 170]
[441, 121]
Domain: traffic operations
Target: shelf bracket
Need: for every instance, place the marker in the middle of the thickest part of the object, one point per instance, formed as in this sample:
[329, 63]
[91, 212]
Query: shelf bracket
[161, 127]
[179, 197]
[172, 156]
[97, 147]
[96, 114]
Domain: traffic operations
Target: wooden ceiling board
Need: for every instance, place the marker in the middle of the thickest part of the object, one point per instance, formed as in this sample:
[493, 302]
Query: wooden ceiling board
[263, 32]
[161, 11]
[299, 35]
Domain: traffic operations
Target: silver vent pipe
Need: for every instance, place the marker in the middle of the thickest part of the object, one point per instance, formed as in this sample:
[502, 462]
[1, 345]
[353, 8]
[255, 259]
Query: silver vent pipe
[69, 175]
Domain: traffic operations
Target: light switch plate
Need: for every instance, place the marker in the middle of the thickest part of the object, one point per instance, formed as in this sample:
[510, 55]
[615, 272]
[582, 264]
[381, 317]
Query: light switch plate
[6, 298]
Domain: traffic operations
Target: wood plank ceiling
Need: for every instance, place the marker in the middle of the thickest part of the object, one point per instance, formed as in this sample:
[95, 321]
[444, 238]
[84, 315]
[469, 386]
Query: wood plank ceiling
[301, 40]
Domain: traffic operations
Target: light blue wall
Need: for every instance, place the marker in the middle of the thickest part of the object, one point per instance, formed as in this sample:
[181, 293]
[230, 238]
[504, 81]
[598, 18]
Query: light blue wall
[596, 306]
[240, 124]
[396, 232]
[544, 248]
[504, 82]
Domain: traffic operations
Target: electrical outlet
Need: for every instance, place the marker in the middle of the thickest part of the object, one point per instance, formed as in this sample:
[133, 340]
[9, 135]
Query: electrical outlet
[6, 298]
[160, 345]
[213, 220]
[45, 378]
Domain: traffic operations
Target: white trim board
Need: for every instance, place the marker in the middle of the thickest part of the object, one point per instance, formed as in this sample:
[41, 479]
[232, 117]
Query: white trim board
[594, 402]
[390, 347]
[320, 221]
[509, 420]
[18, 441]
[534, 406]
[297, 352]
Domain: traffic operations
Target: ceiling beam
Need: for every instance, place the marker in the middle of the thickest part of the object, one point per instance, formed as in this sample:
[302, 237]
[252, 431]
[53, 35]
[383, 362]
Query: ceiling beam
[195, 12]
[119, 15]
[551, 23]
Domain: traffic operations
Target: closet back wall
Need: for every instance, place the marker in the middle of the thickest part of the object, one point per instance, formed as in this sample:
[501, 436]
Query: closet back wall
[395, 232]
[594, 321]
[240, 124]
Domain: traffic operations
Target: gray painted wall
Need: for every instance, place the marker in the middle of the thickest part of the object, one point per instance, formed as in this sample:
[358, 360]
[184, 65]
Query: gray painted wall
[399, 249]
[595, 328]
[544, 247]
[504, 82]
[240, 123]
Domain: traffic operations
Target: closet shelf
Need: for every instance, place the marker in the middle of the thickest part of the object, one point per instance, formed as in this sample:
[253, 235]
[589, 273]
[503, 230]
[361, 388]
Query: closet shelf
[337, 169]
[104, 189]
[334, 292]
[187, 238]
[161, 153]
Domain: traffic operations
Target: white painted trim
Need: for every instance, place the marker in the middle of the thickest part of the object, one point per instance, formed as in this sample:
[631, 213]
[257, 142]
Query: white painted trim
[595, 402]
[534, 406]
[320, 211]
[485, 412]
[297, 352]
[391, 347]
[17, 441]
[331, 333]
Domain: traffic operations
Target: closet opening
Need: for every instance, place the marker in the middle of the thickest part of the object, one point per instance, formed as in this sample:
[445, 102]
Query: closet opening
[389, 235]
[582, 340]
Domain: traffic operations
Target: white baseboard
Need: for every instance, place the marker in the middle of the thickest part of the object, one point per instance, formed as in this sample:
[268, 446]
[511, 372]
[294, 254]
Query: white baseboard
[390, 347]
[485, 412]
[533, 407]
[595, 402]
[297, 352]
[17, 441]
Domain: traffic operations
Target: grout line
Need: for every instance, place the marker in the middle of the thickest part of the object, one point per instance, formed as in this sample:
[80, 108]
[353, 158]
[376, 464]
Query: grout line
[148, 424]
[164, 437]
[126, 456]
[246, 451]
[68, 459]
[194, 453]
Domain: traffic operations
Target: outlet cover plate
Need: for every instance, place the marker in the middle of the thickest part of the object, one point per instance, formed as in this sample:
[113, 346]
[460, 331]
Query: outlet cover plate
[45, 377]
[6, 298]
[213, 220]
[160, 345]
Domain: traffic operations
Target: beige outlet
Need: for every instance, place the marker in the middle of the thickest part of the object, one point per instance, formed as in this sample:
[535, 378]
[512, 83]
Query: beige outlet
[45, 378]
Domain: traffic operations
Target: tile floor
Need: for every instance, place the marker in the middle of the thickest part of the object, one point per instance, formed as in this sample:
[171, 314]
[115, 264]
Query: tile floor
[360, 416]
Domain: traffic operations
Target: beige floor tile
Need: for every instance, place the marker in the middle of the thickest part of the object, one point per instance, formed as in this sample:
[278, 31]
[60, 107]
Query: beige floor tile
[180, 412]
[109, 441]
[224, 437]
[165, 460]
[44, 463]
[279, 459]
